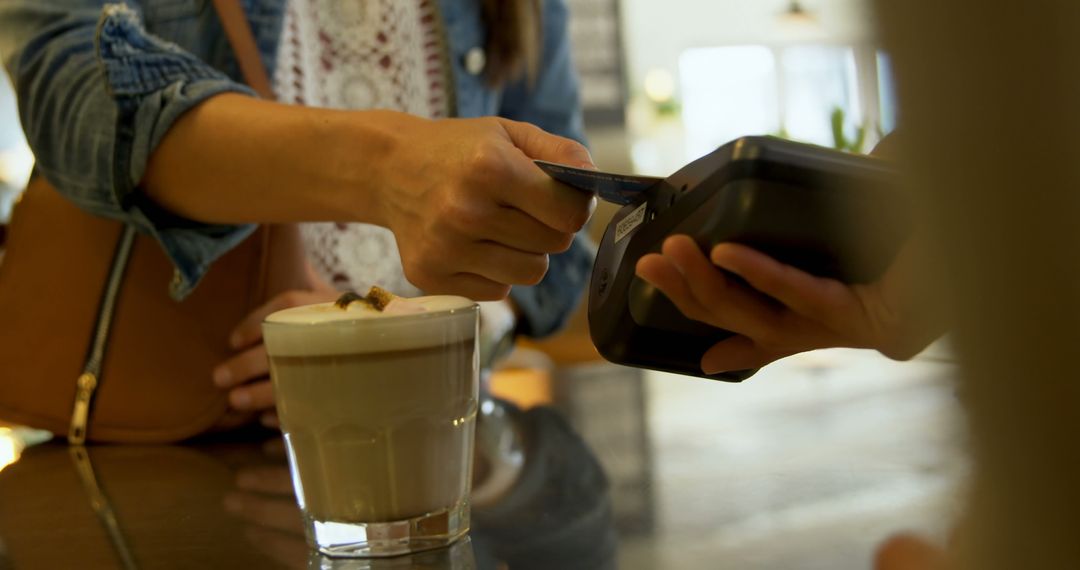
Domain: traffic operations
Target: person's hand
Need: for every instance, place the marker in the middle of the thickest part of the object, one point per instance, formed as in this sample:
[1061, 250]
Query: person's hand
[910, 552]
[785, 311]
[263, 501]
[471, 213]
[246, 374]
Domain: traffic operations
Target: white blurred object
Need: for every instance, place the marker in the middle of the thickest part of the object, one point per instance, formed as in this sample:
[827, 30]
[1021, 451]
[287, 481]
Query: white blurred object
[659, 85]
[792, 91]
[658, 145]
[16, 160]
[497, 324]
[797, 24]
[15, 439]
[16, 165]
[728, 92]
[15, 168]
[818, 79]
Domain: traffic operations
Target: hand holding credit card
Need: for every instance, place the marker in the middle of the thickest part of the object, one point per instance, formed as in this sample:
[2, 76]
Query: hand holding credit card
[615, 188]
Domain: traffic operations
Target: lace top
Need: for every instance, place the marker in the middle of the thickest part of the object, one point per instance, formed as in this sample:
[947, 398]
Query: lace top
[361, 54]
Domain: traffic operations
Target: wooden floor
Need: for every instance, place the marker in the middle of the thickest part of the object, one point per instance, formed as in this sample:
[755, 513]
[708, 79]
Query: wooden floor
[808, 465]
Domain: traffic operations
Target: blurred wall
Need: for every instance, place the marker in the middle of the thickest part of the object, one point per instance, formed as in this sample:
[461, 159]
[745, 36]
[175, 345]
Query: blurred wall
[1003, 189]
[10, 135]
[656, 32]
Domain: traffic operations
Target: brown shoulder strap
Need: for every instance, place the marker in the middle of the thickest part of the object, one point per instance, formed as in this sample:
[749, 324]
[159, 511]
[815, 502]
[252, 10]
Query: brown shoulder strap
[238, 30]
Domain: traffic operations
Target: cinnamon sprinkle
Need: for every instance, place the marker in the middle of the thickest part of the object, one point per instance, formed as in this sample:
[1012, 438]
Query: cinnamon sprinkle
[377, 298]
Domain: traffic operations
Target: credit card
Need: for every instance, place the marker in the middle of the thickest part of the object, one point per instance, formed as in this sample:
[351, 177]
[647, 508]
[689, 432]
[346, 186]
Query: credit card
[610, 187]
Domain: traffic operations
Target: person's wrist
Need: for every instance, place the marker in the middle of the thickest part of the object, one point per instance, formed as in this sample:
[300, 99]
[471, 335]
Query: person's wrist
[376, 153]
[263, 152]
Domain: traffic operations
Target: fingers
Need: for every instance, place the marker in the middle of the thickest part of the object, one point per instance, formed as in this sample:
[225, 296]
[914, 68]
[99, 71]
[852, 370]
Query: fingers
[257, 395]
[280, 513]
[231, 420]
[474, 186]
[736, 353]
[249, 331]
[778, 311]
[555, 205]
[540, 145]
[252, 364]
[502, 218]
[818, 299]
[479, 270]
[504, 265]
[518, 230]
[242, 368]
[274, 448]
[473, 287]
[245, 374]
[907, 552]
[270, 419]
[288, 549]
[268, 480]
[727, 304]
[315, 281]
[662, 273]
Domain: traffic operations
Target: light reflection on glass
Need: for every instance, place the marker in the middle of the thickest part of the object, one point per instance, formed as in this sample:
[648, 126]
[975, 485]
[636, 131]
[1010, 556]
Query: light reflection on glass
[16, 160]
[14, 440]
[11, 447]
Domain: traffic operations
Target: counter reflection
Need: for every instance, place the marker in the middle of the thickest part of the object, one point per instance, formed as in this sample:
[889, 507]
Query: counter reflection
[231, 504]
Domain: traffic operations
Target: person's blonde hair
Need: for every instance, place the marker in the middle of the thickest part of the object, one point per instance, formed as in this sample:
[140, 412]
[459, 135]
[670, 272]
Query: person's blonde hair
[988, 100]
[514, 40]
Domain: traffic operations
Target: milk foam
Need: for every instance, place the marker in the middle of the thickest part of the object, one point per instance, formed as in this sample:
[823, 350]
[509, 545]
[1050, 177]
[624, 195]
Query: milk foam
[325, 329]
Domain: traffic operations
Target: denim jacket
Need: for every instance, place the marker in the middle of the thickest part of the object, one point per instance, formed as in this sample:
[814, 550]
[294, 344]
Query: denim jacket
[99, 84]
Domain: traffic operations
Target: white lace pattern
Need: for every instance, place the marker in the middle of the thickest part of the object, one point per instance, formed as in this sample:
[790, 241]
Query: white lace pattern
[361, 54]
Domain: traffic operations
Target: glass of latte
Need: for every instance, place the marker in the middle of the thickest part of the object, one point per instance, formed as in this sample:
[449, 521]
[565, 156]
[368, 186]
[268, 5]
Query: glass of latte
[378, 407]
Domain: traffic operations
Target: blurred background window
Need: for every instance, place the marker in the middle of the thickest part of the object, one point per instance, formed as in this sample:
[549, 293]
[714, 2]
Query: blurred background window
[887, 92]
[808, 93]
[808, 70]
[817, 81]
[595, 35]
[16, 161]
[717, 80]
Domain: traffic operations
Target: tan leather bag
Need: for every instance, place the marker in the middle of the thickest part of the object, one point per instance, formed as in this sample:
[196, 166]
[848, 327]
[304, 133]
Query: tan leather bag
[91, 344]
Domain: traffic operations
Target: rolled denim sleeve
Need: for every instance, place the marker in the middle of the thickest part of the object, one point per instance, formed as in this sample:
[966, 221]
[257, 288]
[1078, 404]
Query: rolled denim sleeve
[97, 94]
[547, 306]
[552, 101]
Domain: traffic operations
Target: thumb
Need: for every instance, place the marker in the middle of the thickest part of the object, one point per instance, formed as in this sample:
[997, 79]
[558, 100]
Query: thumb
[538, 144]
[908, 552]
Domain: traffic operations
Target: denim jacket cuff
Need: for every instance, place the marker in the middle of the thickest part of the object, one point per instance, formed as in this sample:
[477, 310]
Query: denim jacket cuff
[153, 83]
[192, 247]
[546, 307]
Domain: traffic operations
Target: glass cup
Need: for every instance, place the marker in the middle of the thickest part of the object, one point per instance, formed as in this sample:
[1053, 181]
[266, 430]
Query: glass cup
[459, 556]
[378, 410]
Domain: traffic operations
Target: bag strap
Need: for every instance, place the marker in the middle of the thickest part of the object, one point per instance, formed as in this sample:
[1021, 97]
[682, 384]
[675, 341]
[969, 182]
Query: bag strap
[242, 41]
[87, 384]
[246, 50]
[103, 507]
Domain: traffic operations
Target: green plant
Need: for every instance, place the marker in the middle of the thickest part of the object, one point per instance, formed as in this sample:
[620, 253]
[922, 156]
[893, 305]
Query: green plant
[782, 133]
[840, 138]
